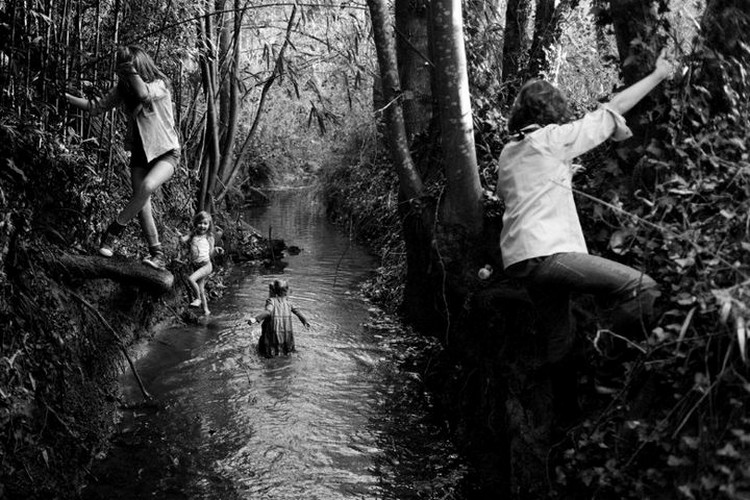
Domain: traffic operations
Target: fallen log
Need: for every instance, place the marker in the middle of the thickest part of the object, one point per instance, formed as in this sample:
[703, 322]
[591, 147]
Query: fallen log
[117, 269]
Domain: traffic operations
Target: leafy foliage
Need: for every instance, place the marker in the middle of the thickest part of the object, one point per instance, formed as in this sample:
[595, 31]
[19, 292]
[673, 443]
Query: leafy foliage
[679, 425]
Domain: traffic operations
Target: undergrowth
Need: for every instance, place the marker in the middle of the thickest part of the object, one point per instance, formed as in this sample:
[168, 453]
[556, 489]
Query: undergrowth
[677, 208]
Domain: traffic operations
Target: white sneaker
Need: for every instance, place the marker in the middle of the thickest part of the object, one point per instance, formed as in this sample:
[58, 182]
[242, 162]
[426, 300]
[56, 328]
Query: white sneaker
[155, 261]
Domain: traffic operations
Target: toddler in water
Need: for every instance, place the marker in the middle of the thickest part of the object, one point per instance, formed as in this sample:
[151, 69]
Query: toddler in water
[201, 243]
[277, 333]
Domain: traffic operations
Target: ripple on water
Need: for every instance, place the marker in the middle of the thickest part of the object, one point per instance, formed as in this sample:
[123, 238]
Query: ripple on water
[324, 423]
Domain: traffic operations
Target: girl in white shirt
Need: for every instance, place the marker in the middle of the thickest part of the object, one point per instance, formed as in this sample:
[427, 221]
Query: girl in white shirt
[142, 90]
[541, 240]
[202, 248]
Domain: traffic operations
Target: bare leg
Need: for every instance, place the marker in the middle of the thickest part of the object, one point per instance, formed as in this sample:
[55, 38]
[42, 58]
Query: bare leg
[204, 299]
[145, 183]
[196, 278]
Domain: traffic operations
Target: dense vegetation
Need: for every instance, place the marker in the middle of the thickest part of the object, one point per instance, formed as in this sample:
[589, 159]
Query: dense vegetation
[673, 203]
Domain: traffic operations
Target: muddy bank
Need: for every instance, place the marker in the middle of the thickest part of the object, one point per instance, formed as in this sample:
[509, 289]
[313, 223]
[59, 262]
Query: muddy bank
[62, 349]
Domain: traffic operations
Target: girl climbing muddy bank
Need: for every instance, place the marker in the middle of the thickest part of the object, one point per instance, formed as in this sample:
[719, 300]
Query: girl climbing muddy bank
[144, 94]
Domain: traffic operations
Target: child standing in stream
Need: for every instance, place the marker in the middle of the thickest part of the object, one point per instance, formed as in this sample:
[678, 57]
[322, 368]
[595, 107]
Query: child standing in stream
[202, 246]
[142, 90]
[277, 335]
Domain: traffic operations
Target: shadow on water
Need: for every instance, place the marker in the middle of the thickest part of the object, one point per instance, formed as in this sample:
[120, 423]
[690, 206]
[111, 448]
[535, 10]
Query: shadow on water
[342, 418]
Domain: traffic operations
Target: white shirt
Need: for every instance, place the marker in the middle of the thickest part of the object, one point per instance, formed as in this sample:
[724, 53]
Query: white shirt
[153, 117]
[200, 249]
[534, 179]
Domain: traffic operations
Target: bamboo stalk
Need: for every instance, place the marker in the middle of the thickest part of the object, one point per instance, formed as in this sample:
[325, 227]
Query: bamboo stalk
[115, 39]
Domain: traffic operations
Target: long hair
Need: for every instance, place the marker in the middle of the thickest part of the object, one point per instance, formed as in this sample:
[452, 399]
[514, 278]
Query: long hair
[200, 217]
[142, 62]
[146, 68]
[539, 103]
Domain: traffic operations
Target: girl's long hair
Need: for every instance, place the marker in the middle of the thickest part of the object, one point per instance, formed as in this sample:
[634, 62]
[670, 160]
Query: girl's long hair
[146, 68]
[200, 217]
[539, 103]
[142, 62]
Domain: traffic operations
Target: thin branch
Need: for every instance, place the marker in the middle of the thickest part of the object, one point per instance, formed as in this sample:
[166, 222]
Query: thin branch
[120, 344]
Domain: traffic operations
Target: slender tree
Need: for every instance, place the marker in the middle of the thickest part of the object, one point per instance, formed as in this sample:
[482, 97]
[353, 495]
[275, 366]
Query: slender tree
[462, 203]
[548, 26]
[415, 67]
[410, 183]
[516, 40]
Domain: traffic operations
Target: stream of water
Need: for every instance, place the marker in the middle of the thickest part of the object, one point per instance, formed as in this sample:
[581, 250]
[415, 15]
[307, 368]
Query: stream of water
[339, 419]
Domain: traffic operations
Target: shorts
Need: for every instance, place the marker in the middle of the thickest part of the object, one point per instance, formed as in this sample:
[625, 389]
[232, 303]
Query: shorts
[198, 265]
[138, 159]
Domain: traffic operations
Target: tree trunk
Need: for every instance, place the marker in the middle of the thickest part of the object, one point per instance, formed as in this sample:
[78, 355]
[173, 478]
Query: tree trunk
[725, 27]
[462, 202]
[636, 26]
[516, 40]
[635, 20]
[412, 49]
[410, 183]
[208, 70]
[231, 117]
[120, 270]
[547, 30]
[225, 30]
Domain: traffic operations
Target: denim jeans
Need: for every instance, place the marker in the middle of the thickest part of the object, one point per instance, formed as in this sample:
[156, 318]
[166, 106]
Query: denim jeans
[626, 295]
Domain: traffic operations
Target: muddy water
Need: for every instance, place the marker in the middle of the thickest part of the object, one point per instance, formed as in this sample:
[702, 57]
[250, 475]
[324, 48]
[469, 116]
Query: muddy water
[342, 418]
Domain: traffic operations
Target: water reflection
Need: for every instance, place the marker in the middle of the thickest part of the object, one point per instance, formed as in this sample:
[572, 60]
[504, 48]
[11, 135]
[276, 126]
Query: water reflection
[336, 420]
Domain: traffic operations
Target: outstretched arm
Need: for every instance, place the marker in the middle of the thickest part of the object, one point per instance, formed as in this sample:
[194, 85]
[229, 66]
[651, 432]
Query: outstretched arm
[260, 317]
[265, 314]
[95, 106]
[78, 102]
[625, 100]
[301, 317]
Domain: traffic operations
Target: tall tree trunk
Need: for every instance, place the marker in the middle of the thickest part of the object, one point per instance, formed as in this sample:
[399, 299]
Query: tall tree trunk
[635, 20]
[516, 40]
[547, 30]
[462, 202]
[410, 183]
[225, 26]
[208, 70]
[412, 49]
[636, 25]
[725, 28]
[230, 116]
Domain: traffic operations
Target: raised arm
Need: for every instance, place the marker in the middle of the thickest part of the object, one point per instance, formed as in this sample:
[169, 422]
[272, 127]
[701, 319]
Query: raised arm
[625, 100]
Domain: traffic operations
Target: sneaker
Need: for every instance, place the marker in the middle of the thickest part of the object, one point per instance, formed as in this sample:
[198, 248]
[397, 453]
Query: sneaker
[106, 243]
[605, 387]
[196, 303]
[156, 261]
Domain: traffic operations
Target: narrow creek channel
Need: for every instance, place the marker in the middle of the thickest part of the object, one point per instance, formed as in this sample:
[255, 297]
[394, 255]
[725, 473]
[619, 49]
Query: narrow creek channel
[342, 418]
